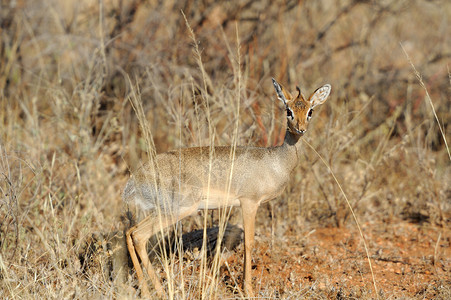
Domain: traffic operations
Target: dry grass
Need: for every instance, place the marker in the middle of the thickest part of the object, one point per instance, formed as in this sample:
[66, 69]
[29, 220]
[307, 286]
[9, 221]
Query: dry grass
[69, 136]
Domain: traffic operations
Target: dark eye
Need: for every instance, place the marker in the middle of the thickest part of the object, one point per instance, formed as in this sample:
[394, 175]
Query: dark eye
[309, 114]
[290, 113]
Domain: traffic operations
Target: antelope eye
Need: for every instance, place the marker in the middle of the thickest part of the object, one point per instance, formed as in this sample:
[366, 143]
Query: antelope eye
[309, 114]
[290, 113]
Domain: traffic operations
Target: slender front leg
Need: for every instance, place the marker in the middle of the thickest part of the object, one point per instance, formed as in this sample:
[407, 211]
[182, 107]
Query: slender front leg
[249, 210]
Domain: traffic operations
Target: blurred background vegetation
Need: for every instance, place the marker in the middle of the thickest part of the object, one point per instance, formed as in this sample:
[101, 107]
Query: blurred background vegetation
[69, 137]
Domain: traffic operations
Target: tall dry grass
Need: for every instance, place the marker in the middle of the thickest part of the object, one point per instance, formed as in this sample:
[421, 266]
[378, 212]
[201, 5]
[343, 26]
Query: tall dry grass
[69, 136]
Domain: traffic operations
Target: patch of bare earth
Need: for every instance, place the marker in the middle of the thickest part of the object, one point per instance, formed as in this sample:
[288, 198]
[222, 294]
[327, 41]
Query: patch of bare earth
[408, 260]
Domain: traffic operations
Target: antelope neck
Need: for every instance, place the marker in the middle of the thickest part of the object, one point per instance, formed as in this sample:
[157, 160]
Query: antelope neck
[292, 143]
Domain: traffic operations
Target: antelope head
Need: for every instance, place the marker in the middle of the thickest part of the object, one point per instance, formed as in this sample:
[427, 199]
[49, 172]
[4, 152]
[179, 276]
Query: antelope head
[299, 110]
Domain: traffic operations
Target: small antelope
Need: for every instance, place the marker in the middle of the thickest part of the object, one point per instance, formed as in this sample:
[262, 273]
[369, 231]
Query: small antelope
[178, 183]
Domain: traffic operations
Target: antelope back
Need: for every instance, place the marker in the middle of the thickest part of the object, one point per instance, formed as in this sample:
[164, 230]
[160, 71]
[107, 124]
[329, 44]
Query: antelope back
[300, 110]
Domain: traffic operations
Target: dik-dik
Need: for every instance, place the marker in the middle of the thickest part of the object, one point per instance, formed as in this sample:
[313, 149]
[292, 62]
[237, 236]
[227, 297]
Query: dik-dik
[178, 183]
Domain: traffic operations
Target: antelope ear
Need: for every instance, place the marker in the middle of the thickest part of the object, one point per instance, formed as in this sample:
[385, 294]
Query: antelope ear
[282, 94]
[320, 95]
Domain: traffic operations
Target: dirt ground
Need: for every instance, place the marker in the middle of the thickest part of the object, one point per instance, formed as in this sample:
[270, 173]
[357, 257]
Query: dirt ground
[408, 261]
